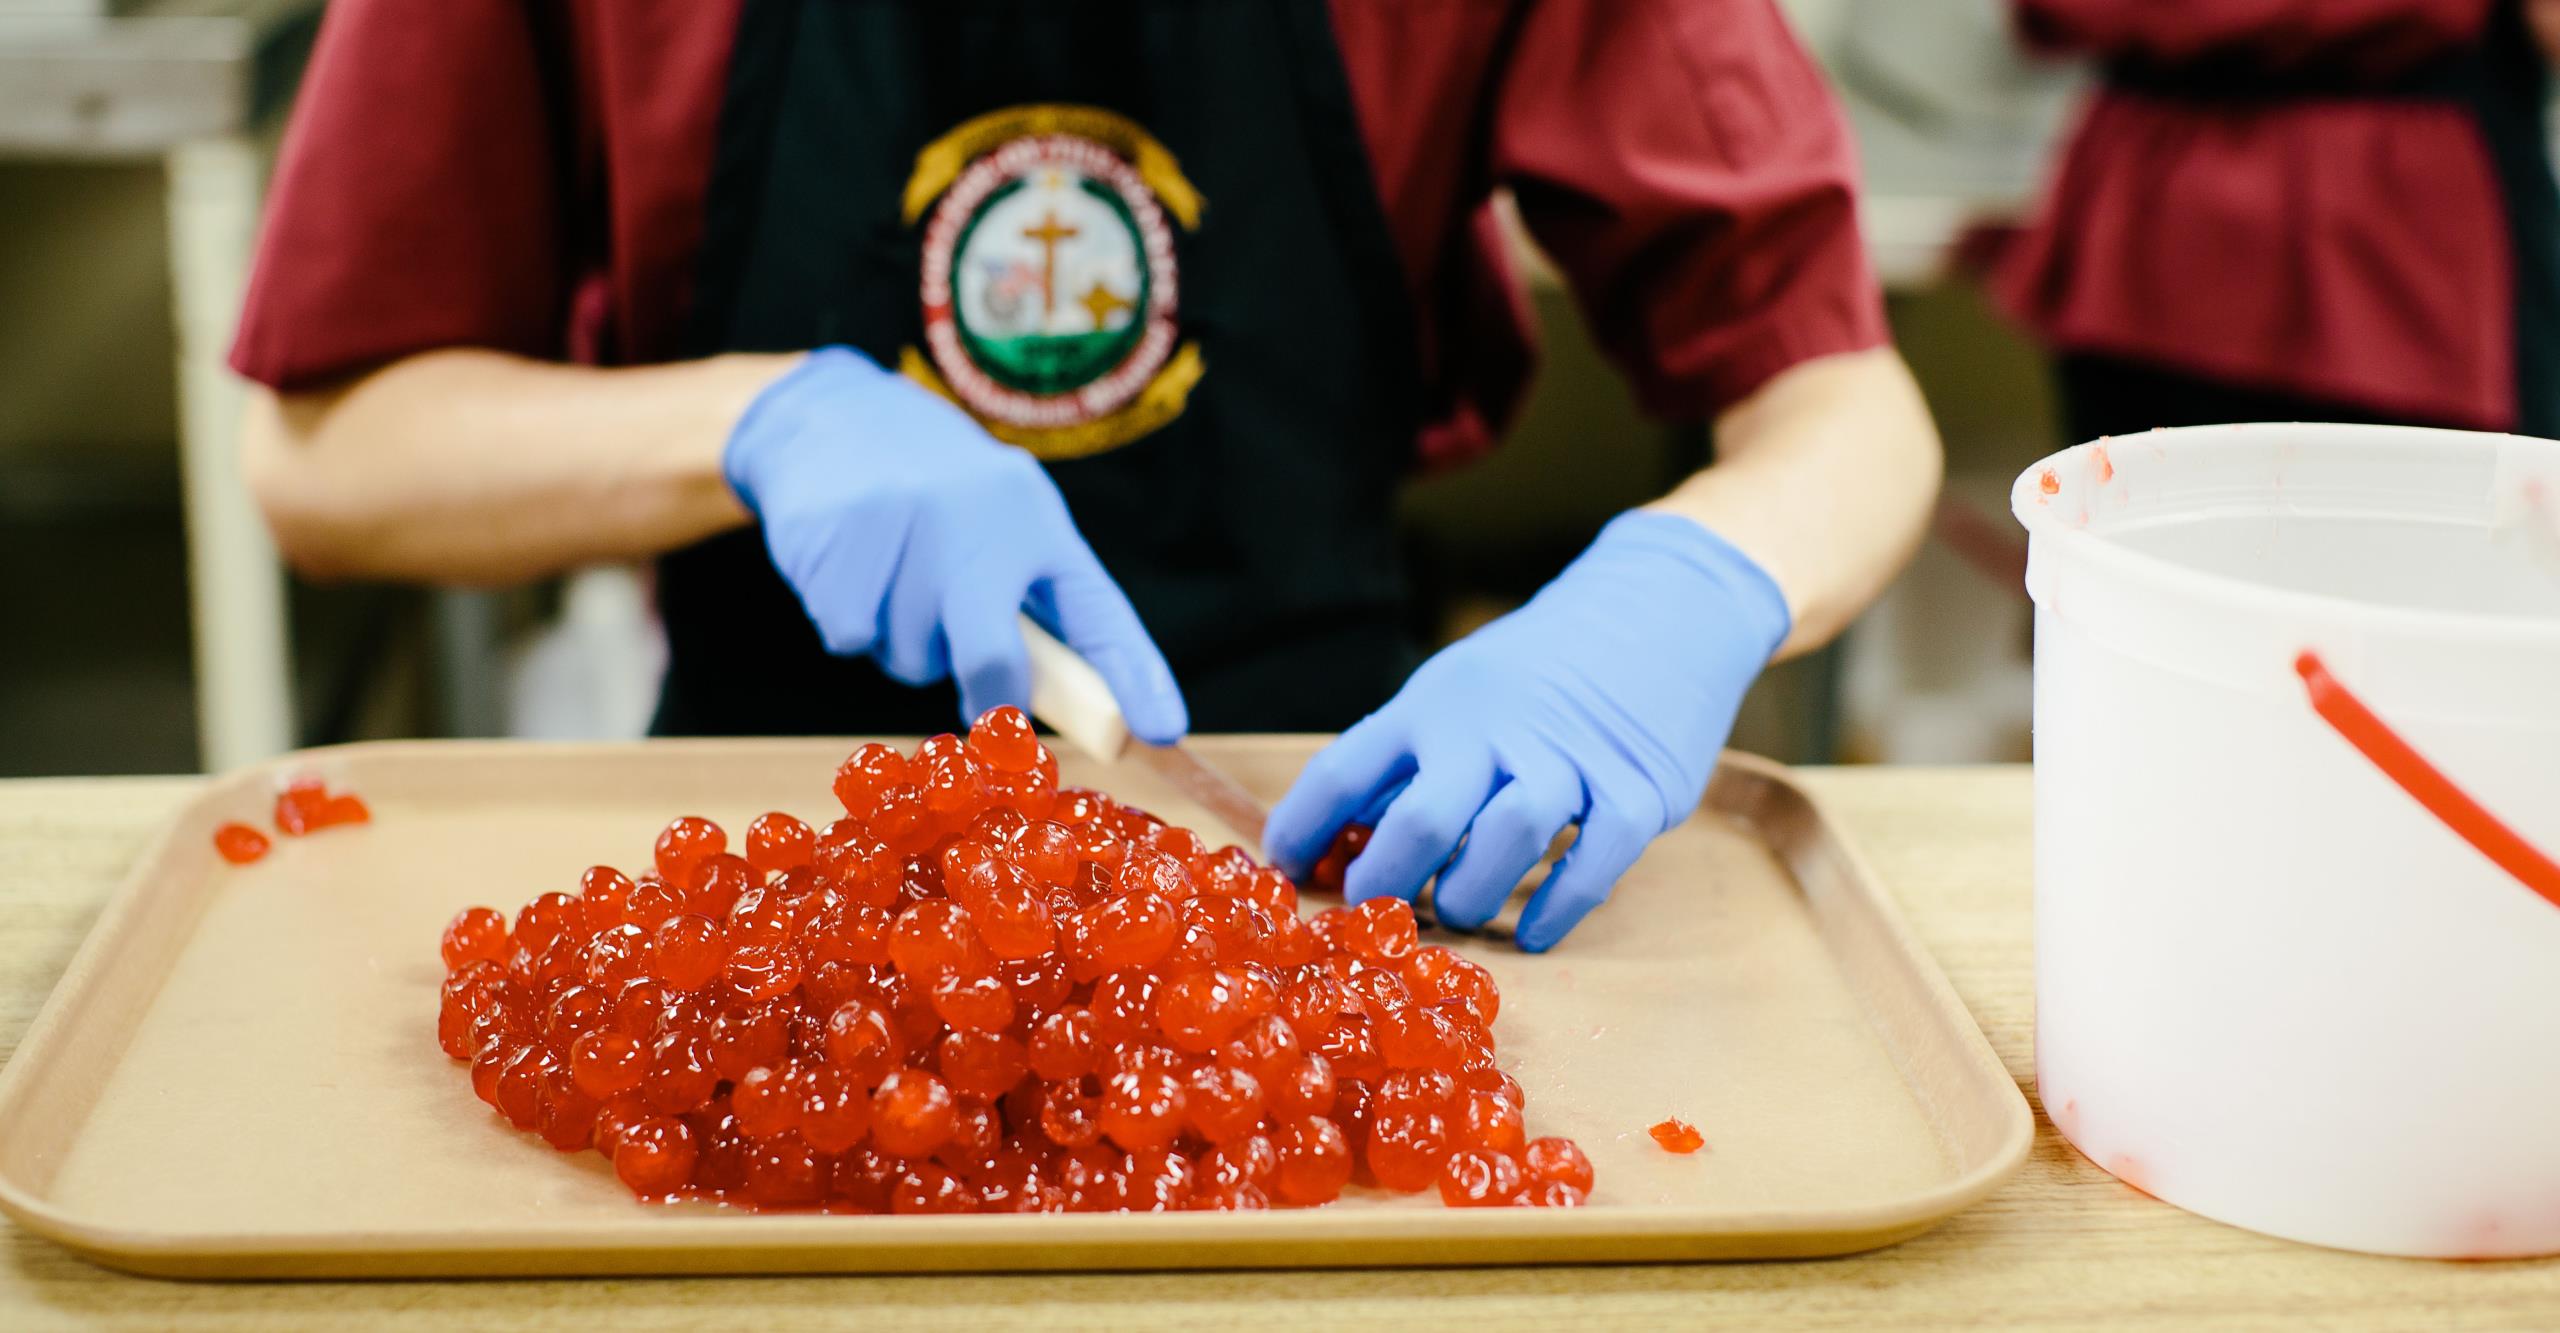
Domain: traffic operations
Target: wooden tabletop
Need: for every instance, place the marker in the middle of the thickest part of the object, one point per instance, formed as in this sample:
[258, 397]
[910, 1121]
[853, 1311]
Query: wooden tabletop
[2063, 1244]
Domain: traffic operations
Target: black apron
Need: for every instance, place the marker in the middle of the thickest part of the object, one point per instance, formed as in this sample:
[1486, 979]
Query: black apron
[2508, 98]
[1253, 530]
[2501, 82]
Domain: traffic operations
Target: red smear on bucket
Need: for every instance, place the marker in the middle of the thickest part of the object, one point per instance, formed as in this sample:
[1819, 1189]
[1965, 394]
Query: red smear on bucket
[2130, 1170]
[2484, 1240]
[2106, 465]
[2049, 483]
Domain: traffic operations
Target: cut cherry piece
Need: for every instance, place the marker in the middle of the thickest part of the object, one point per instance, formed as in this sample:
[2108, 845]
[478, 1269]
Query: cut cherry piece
[299, 805]
[342, 808]
[239, 844]
[1678, 1136]
[306, 805]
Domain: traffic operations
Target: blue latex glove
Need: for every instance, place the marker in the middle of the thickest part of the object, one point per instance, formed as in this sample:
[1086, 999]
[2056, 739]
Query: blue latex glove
[911, 534]
[1603, 702]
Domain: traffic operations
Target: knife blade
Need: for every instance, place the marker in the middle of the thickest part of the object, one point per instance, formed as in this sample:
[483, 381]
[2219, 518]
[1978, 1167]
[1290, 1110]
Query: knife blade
[1205, 786]
[1074, 700]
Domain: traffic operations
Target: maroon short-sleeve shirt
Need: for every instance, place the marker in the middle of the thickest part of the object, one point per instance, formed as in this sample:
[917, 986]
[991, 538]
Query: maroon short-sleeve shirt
[529, 175]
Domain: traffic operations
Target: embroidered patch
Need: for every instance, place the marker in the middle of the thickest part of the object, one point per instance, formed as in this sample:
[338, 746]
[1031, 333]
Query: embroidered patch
[1049, 283]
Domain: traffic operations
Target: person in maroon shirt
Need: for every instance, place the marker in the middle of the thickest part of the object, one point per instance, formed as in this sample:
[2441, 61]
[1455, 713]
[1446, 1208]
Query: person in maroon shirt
[2332, 210]
[879, 323]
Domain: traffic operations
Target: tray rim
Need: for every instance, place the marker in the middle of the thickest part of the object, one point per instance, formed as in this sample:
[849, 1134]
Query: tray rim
[778, 1243]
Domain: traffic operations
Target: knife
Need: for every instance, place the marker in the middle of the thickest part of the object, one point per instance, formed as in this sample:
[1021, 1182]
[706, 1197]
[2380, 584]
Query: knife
[1069, 695]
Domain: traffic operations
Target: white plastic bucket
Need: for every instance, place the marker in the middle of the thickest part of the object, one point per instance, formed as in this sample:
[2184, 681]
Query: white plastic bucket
[2271, 987]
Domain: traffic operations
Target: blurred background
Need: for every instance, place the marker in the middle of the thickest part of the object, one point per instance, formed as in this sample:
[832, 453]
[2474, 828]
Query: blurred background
[144, 627]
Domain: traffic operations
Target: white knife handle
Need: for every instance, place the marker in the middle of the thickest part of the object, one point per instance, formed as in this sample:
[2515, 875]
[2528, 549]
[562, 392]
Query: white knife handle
[1069, 695]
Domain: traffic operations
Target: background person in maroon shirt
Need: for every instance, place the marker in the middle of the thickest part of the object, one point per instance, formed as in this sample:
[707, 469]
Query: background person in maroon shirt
[2300, 210]
[541, 281]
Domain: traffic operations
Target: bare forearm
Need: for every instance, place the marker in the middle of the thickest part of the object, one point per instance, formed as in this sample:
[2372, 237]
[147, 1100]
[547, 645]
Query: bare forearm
[469, 466]
[1826, 478]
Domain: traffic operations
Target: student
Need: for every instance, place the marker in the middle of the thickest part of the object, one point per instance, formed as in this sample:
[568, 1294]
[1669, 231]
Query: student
[875, 322]
[2324, 210]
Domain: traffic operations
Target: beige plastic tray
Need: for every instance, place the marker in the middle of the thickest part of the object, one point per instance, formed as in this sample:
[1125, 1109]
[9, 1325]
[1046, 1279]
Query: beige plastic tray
[238, 1075]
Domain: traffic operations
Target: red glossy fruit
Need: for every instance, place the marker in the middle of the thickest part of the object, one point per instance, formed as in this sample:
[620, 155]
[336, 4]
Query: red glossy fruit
[835, 1112]
[1488, 1121]
[607, 1063]
[1223, 1103]
[688, 951]
[1336, 861]
[767, 1102]
[777, 842]
[979, 992]
[655, 1157]
[1557, 1160]
[1435, 973]
[1381, 931]
[738, 1040]
[1064, 1045]
[867, 774]
[912, 1114]
[605, 894]
[979, 1001]
[1406, 1149]
[1200, 1010]
[1070, 1114]
[546, 919]
[1419, 1037]
[1142, 1109]
[1002, 739]
[929, 1188]
[785, 1172]
[476, 934]
[982, 1064]
[1477, 1179]
[680, 1076]
[686, 843]
[239, 844]
[1314, 1160]
[762, 972]
[865, 1042]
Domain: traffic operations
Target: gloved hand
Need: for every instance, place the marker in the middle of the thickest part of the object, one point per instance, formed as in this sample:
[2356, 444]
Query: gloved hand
[1604, 701]
[911, 534]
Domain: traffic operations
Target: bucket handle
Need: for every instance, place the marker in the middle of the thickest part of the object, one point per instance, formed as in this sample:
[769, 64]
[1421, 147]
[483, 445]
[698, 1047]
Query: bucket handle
[2425, 783]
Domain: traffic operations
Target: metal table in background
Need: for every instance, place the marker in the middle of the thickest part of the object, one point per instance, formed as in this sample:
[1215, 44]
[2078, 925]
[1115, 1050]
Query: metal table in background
[195, 84]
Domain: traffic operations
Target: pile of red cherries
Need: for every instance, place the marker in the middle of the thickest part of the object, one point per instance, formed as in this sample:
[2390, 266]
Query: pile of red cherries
[977, 992]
